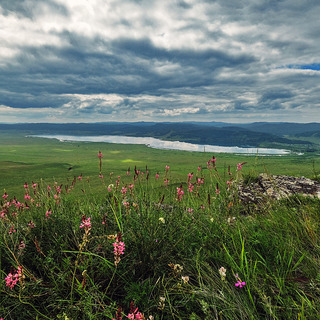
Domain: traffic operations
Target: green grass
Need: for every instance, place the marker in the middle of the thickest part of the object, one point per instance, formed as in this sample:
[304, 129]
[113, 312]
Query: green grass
[173, 249]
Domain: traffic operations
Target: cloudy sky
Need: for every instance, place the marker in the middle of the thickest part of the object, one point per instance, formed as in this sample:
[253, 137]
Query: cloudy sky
[159, 60]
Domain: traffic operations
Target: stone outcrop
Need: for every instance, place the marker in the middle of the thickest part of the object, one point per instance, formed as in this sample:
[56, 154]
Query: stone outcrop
[266, 187]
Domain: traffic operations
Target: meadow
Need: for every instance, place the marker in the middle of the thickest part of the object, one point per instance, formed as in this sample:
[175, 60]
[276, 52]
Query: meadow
[110, 231]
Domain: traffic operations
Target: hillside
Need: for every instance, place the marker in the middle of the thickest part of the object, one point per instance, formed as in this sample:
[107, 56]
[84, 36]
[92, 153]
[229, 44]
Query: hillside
[253, 135]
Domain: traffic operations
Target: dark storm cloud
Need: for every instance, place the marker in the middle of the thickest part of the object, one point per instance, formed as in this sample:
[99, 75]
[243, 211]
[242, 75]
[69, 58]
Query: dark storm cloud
[160, 59]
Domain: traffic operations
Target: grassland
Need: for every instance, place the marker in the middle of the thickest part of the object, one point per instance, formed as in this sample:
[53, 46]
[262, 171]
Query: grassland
[25, 159]
[59, 246]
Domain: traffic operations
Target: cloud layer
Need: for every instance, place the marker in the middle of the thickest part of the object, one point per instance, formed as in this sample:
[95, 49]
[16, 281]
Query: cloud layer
[111, 60]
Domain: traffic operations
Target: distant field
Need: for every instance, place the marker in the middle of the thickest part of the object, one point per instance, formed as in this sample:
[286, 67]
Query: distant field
[32, 159]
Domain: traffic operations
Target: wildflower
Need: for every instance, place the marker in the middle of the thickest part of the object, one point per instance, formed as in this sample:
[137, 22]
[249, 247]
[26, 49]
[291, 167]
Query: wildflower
[31, 224]
[185, 279]
[12, 229]
[110, 187]
[26, 185]
[180, 192]
[124, 190]
[48, 214]
[157, 176]
[190, 187]
[100, 176]
[240, 284]
[239, 165]
[162, 220]
[231, 220]
[12, 279]
[119, 248]
[100, 155]
[86, 223]
[128, 172]
[199, 168]
[79, 178]
[5, 196]
[190, 176]
[222, 272]
[118, 316]
[27, 197]
[217, 189]
[167, 168]
[161, 303]
[190, 210]
[21, 247]
[166, 182]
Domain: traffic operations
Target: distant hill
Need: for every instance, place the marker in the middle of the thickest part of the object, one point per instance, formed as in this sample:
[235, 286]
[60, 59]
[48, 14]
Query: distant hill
[212, 133]
[315, 134]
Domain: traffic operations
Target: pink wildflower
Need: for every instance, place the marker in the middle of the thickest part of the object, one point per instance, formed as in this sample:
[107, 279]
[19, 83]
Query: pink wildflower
[157, 176]
[13, 279]
[124, 190]
[5, 196]
[167, 168]
[240, 284]
[27, 197]
[100, 155]
[86, 223]
[48, 214]
[180, 192]
[100, 176]
[31, 224]
[80, 178]
[119, 248]
[12, 229]
[190, 176]
[190, 187]
[239, 166]
[21, 247]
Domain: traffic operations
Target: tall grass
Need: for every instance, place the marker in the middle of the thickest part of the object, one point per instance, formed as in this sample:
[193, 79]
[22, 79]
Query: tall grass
[59, 246]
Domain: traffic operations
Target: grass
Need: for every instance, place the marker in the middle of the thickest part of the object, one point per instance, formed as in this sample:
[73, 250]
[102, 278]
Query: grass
[173, 249]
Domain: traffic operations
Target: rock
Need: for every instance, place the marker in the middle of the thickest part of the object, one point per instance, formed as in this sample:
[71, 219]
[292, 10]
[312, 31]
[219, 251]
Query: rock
[276, 187]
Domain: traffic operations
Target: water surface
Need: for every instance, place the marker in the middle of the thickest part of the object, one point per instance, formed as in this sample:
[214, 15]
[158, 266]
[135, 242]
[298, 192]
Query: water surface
[162, 144]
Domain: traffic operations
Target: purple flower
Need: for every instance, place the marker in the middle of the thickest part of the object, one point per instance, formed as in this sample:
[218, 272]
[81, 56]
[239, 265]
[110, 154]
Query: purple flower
[240, 284]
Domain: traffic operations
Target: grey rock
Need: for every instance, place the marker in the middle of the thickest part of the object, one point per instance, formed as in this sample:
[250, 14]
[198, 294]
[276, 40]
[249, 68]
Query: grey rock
[276, 187]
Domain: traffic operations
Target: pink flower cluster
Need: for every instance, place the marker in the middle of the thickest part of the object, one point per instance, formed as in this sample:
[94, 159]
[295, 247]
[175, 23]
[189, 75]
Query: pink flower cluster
[119, 247]
[13, 279]
[86, 223]
[135, 315]
[180, 193]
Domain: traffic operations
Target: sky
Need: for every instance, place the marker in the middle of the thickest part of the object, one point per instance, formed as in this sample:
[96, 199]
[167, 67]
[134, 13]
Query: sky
[159, 60]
